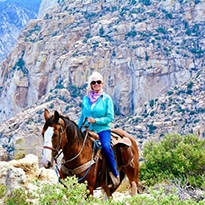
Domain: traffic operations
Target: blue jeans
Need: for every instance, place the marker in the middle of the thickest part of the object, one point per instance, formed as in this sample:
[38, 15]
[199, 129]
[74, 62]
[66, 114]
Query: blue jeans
[105, 138]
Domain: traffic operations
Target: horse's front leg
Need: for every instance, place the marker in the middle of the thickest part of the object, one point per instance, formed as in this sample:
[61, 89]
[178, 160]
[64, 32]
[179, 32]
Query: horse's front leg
[133, 187]
[90, 188]
[106, 192]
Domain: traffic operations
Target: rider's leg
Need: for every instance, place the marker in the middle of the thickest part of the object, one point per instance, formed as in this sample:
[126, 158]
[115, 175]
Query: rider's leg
[105, 138]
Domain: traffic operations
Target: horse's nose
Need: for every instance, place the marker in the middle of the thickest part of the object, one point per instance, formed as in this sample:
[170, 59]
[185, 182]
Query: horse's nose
[46, 163]
[49, 164]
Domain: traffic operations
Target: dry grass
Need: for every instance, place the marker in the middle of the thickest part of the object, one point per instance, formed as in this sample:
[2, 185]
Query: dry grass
[125, 186]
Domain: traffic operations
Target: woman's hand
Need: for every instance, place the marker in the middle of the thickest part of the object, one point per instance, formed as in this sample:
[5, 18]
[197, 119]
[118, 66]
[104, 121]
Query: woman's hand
[91, 120]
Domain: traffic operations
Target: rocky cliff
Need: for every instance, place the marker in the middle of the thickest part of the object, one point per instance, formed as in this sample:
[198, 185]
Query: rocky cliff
[46, 7]
[151, 54]
[142, 49]
[181, 110]
[14, 15]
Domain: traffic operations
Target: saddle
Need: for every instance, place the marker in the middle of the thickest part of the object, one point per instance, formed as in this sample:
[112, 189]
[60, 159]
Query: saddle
[120, 145]
[123, 155]
[122, 150]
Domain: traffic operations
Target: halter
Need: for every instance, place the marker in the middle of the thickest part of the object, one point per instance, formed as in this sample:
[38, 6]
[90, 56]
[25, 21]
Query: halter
[56, 154]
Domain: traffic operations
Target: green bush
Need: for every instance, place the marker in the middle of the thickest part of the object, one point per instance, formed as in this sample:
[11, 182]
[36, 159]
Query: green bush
[161, 30]
[17, 197]
[74, 91]
[2, 190]
[146, 2]
[174, 156]
[101, 31]
[156, 197]
[74, 193]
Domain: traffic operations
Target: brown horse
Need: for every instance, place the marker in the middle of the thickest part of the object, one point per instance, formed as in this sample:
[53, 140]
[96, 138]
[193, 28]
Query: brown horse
[60, 133]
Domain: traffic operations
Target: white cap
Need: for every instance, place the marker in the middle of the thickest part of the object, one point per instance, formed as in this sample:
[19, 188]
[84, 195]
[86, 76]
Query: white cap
[95, 76]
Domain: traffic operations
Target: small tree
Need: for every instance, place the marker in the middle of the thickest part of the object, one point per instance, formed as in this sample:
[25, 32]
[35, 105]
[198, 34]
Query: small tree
[101, 31]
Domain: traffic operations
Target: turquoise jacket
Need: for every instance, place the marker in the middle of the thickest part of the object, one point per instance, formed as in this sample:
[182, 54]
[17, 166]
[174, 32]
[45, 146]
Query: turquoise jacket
[102, 112]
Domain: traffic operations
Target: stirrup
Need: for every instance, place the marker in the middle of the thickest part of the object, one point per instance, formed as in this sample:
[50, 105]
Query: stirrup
[115, 180]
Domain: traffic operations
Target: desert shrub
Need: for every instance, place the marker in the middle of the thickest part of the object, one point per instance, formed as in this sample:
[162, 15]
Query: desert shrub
[101, 31]
[17, 197]
[159, 197]
[151, 103]
[161, 30]
[132, 33]
[152, 128]
[74, 91]
[73, 193]
[169, 15]
[2, 190]
[190, 85]
[177, 156]
[146, 2]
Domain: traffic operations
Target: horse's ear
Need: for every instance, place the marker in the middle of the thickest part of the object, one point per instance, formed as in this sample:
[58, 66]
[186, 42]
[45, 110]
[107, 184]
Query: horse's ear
[56, 116]
[46, 114]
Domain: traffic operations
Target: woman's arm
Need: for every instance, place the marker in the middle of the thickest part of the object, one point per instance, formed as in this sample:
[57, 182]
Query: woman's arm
[109, 114]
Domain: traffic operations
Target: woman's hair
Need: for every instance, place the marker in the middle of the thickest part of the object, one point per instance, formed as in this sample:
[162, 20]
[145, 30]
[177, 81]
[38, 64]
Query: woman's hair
[95, 76]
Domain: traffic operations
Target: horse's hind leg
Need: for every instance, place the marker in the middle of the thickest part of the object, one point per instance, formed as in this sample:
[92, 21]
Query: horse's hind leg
[133, 176]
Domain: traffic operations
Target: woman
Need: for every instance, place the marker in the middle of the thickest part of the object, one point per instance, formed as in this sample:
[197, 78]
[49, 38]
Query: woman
[99, 110]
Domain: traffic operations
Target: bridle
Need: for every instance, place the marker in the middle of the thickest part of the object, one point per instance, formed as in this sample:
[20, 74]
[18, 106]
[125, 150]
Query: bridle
[56, 149]
[57, 153]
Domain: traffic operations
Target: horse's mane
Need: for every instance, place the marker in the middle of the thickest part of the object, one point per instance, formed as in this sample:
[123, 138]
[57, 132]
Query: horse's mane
[80, 134]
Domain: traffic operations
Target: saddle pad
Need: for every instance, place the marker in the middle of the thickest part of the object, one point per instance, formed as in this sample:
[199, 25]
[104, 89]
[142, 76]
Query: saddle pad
[117, 139]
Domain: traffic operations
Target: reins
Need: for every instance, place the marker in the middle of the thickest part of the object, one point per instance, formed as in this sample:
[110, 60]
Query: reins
[69, 160]
[57, 153]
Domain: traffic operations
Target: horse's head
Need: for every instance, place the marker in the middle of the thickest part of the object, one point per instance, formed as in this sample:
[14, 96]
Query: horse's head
[52, 135]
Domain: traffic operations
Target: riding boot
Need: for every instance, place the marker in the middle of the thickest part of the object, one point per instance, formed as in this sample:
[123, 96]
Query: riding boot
[115, 180]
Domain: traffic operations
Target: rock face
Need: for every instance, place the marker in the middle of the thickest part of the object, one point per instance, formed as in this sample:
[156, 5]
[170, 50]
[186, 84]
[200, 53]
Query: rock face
[19, 173]
[46, 6]
[179, 111]
[14, 15]
[141, 48]
[143, 51]
[21, 135]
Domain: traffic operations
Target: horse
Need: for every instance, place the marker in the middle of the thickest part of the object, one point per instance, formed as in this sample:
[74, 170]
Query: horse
[61, 134]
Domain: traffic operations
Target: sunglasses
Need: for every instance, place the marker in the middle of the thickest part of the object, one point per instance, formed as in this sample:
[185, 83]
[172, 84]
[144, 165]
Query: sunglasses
[98, 82]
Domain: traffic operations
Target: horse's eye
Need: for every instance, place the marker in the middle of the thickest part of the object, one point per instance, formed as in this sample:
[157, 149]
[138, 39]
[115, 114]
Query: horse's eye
[55, 135]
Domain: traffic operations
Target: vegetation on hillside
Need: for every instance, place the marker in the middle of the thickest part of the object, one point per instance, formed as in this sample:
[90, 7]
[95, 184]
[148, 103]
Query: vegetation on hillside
[174, 159]
[177, 160]
[77, 194]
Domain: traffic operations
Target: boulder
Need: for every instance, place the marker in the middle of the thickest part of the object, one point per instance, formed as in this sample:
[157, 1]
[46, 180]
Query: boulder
[15, 178]
[29, 165]
[47, 175]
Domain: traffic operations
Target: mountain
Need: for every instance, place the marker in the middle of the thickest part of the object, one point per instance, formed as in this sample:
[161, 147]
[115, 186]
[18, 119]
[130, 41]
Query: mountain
[14, 15]
[147, 46]
[144, 49]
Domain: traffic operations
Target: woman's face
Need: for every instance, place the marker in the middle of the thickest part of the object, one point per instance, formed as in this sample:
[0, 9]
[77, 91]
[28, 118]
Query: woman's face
[96, 85]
